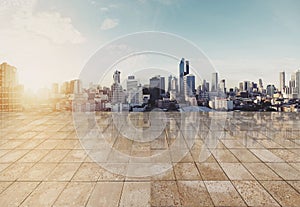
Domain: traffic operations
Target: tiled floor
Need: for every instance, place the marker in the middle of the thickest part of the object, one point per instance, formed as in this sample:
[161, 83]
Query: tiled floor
[256, 162]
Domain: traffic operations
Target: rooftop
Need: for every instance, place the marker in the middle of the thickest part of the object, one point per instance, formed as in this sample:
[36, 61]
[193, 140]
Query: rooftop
[254, 162]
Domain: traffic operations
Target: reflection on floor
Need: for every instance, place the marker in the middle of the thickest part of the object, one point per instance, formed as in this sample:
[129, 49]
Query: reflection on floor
[255, 161]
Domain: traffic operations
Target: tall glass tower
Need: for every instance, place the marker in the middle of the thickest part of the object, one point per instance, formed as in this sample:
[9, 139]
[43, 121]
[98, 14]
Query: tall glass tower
[181, 75]
[184, 69]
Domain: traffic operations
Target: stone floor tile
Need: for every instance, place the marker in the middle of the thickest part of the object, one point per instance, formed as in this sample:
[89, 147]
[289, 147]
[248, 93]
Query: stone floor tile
[11, 144]
[232, 143]
[295, 165]
[284, 170]
[266, 155]
[254, 194]
[224, 155]
[54, 156]
[4, 165]
[268, 143]
[34, 155]
[250, 143]
[194, 193]
[88, 172]
[47, 144]
[4, 185]
[45, 194]
[186, 171]
[63, 172]
[295, 184]
[75, 194]
[14, 171]
[167, 176]
[223, 193]
[164, 193]
[67, 144]
[236, 171]
[286, 155]
[3, 152]
[211, 171]
[261, 171]
[30, 144]
[13, 156]
[16, 193]
[106, 194]
[282, 192]
[38, 172]
[136, 194]
[75, 156]
[244, 155]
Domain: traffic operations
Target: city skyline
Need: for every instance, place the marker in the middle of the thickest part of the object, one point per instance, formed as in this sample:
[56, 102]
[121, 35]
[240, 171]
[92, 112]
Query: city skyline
[240, 45]
[284, 79]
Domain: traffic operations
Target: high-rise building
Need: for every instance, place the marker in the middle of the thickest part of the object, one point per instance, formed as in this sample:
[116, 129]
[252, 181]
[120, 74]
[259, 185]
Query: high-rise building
[260, 86]
[187, 67]
[118, 95]
[169, 83]
[297, 79]
[271, 90]
[214, 82]
[260, 83]
[157, 87]
[282, 81]
[116, 77]
[10, 90]
[174, 84]
[241, 86]
[181, 74]
[65, 88]
[189, 86]
[76, 86]
[247, 86]
[222, 86]
[134, 91]
[184, 69]
[205, 86]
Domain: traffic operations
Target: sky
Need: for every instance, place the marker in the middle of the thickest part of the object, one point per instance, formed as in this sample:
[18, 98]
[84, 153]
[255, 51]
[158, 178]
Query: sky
[52, 41]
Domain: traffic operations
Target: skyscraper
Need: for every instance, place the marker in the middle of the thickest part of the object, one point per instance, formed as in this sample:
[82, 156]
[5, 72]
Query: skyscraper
[247, 86]
[184, 69]
[173, 84]
[292, 83]
[116, 77]
[181, 74]
[187, 67]
[241, 86]
[214, 82]
[157, 87]
[260, 83]
[282, 81]
[271, 90]
[297, 79]
[222, 86]
[117, 90]
[134, 91]
[76, 86]
[169, 83]
[10, 90]
[189, 86]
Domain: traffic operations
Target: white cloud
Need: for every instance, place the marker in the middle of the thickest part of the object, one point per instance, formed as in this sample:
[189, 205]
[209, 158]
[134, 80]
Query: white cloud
[109, 24]
[44, 46]
[50, 25]
[104, 9]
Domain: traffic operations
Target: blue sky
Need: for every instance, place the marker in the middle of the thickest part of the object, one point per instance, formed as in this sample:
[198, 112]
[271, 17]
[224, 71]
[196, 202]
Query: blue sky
[245, 39]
